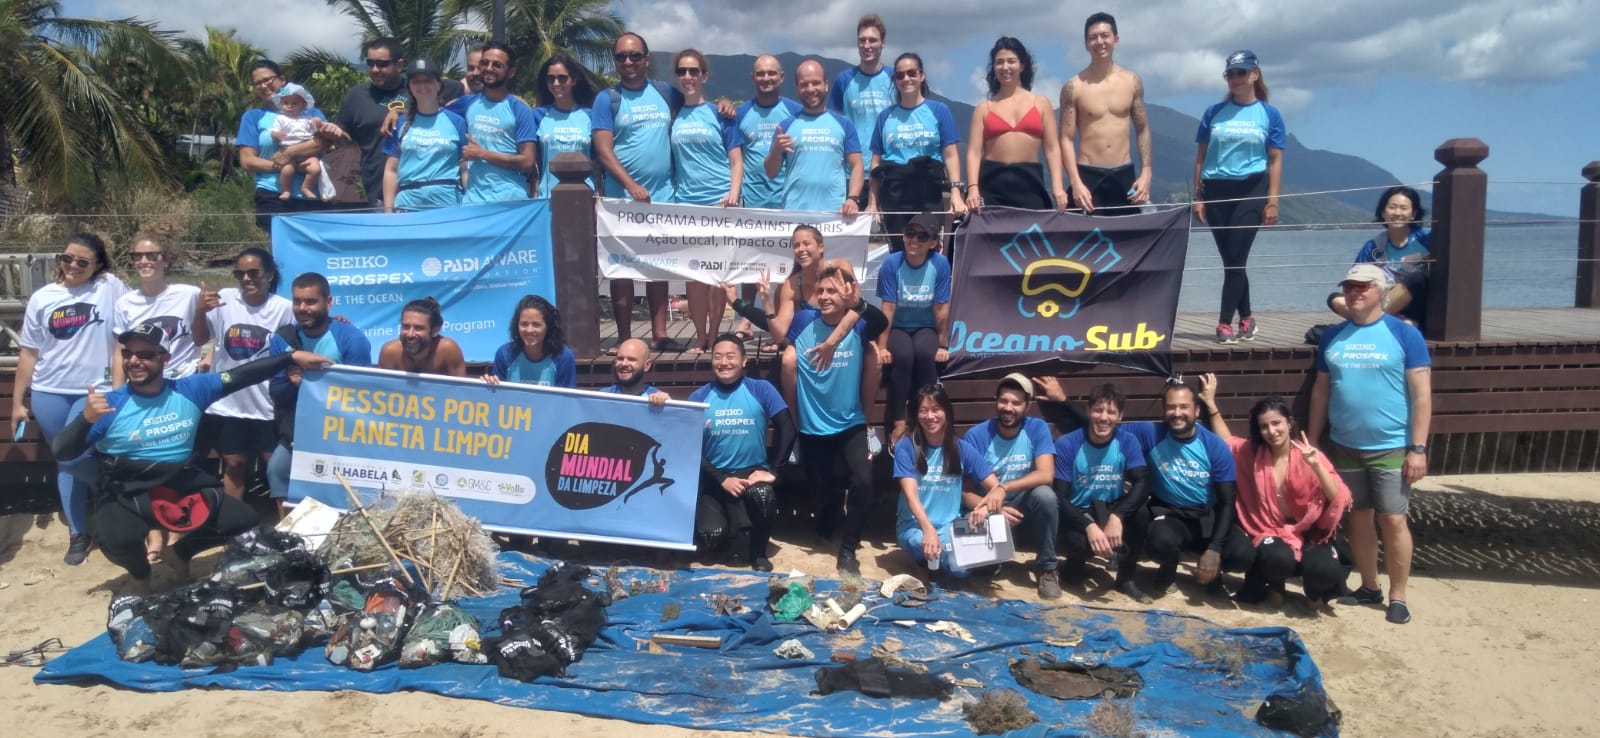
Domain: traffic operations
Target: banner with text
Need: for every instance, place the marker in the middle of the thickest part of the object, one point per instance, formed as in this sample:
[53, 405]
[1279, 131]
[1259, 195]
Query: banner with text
[476, 260]
[1042, 286]
[537, 461]
[715, 245]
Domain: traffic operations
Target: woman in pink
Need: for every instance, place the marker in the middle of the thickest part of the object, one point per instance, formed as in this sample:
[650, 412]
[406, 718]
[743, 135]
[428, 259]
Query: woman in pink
[1290, 502]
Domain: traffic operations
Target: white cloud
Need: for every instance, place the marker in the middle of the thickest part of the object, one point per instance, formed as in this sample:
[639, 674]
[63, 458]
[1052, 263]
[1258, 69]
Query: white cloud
[277, 26]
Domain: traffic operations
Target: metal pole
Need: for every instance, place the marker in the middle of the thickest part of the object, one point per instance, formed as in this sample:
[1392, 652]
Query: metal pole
[499, 23]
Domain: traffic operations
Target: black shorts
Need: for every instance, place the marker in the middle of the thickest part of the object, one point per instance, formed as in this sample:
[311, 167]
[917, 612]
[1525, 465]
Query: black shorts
[239, 436]
[1108, 187]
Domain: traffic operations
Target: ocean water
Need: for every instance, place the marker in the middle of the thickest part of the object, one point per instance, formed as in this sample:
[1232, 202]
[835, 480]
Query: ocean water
[1293, 271]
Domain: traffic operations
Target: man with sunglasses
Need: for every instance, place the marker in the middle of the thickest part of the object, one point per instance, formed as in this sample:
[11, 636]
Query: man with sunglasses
[502, 132]
[143, 434]
[1374, 394]
[367, 105]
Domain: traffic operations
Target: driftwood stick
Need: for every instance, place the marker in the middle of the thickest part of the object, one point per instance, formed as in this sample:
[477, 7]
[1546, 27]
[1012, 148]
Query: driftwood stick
[335, 572]
[355, 502]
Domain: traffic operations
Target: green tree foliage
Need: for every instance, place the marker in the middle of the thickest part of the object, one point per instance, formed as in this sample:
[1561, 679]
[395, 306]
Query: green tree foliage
[538, 29]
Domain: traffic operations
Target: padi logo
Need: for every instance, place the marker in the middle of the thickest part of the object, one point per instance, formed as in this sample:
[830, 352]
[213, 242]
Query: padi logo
[431, 267]
[1053, 283]
[704, 265]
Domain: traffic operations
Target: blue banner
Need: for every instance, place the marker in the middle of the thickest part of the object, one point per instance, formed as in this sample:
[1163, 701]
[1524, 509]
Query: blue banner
[540, 461]
[476, 260]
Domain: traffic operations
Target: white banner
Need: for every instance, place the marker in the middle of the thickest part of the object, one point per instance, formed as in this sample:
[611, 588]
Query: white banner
[651, 242]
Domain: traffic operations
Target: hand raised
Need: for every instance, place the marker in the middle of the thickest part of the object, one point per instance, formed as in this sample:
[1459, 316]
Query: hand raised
[96, 407]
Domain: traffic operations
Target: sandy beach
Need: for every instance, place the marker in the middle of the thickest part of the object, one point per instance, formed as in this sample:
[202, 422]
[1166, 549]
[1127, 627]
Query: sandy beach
[1503, 642]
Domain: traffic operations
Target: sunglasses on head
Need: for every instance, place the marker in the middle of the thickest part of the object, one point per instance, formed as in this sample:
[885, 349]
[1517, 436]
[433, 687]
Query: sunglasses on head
[688, 71]
[147, 256]
[142, 355]
[241, 274]
[628, 56]
[380, 63]
[908, 74]
[65, 259]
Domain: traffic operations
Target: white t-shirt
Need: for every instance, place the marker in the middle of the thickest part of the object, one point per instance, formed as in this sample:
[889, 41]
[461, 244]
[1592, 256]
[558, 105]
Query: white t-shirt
[69, 327]
[173, 309]
[294, 130]
[243, 334]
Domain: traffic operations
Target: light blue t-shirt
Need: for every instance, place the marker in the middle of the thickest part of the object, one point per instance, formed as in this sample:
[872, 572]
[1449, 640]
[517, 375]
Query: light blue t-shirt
[940, 493]
[1011, 458]
[1369, 408]
[561, 132]
[702, 147]
[429, 149]
[816, 174]
[324, 345]
[914, 290]
[1183, 470]
[502, 127]
[1406, 259]
[905, 133]
[736, 422]
[158, 427]
[512, 364]
[757, 125]
[861, 97]
[255, 131]
[829, 400]
[1096, 472]
[641, 137]
[1237, 138]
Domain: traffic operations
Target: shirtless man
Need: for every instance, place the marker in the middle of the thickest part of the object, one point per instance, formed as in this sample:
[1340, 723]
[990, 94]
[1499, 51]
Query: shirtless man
[420, 348]
[1098, 104]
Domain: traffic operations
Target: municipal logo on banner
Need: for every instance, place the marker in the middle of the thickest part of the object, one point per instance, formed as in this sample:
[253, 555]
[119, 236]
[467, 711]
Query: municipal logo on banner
[1034, 287]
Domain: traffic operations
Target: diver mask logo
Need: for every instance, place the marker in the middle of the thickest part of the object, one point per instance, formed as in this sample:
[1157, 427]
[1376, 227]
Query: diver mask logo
[1053, 284]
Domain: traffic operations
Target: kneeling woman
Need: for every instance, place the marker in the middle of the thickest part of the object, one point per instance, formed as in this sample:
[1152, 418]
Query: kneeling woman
[1290, 503]
[929, 463]
[537, 353]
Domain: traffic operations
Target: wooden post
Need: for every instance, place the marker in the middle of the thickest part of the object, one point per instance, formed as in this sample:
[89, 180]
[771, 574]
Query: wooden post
[572, 241]
[1589, 239]
[1455, 282]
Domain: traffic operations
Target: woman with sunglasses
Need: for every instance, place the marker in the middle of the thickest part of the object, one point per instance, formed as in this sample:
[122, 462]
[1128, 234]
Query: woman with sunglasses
[65, 349]
[422, 168]
[1014, 124]
[928, 465]
[262, 156]
[171, 306]
[915, 162]
[565, 97]
[707, 169]
[1237, 169]
[243, 319]
[914, 286]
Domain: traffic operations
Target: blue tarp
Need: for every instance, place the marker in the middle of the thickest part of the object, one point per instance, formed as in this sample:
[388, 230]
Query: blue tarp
[742, 686]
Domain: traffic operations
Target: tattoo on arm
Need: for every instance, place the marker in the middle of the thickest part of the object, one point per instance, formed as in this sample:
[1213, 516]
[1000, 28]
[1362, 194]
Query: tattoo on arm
[1069, 115]
[1141, 123]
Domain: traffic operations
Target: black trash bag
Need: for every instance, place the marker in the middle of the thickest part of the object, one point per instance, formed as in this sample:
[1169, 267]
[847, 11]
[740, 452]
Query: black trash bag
[242, 650]
[1307, 712]
[558, 619]
[191, 623]
[292, 574]
[279, 631]
[521, 656]
[132, 636]
[874, 678]
[371, 638]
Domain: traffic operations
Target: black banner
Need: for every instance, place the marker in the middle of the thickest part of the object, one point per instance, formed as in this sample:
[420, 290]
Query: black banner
[1032, 287]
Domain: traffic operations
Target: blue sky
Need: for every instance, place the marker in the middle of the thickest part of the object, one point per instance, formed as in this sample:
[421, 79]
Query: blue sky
[1383, 80]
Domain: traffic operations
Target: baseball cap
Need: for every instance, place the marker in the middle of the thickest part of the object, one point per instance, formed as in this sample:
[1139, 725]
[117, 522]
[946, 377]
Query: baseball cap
[929, 222]
[422, 66]
[149, 331]
[1243, 59]
[295, 90]
[1018, 380]
[1366, 273]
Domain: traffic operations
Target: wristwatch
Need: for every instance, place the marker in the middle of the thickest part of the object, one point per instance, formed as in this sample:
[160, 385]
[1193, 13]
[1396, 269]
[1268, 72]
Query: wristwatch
[1417, 448]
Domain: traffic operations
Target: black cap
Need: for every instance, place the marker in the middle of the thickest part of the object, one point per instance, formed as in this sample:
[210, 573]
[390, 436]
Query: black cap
[422, 66]
[930, 222]
[149, 331]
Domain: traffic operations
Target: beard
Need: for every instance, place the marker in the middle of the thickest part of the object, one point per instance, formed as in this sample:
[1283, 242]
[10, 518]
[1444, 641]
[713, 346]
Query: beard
[413, 347]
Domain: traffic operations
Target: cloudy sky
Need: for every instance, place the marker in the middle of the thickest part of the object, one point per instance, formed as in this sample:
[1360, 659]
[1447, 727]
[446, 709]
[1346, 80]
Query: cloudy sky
[1388, 81]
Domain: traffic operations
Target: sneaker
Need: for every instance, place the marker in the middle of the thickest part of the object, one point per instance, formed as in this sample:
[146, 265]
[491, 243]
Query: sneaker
[1225, 334]
[848, 564]
[1363, 596]
[77, 550]
[1049, 585]
[761, 563]
[1127, 587]
[1165, 577]
[874, 445]
[1247, 329]
[1398, 613]
[1254, 591]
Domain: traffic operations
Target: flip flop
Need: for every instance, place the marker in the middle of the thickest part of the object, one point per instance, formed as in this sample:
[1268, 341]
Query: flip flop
[611, 351]
[744, 336]
[665, 345]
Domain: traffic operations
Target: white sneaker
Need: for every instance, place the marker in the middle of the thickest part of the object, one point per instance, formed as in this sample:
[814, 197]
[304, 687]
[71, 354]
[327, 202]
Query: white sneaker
[874, 446]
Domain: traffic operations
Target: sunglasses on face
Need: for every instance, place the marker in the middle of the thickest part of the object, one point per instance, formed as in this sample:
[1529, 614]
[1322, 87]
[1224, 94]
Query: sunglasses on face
[380, 63]
[919, 235]
[559, 79]
[1231, 73]
[241, 274]
[142, 355]
[688, 71]
[66, 259]
[908, 74]
[147, 256]
[628, 56]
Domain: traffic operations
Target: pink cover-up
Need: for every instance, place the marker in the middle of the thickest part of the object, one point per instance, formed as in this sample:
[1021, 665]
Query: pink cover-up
[1315, 518]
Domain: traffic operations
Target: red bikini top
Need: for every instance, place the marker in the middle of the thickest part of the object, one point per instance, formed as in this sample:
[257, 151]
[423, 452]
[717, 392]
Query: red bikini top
[1032, 123]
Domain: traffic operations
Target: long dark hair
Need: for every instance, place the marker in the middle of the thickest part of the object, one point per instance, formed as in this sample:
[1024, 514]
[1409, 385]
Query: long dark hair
[426, 306]
[1417, 211]
[582, 91]
[1273, 404]
[267, 263]
[554, 339]
[913, 57]
[93, 243]
[919, 439]
[1007, 43]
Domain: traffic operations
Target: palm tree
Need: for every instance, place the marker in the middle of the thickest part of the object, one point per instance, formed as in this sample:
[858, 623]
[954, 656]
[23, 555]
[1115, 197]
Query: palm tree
[538, 29]
[57, 117]
[218, 87]
[423, 27]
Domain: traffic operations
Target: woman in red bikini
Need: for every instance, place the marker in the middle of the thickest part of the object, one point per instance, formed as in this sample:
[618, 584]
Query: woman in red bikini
[1013, 124]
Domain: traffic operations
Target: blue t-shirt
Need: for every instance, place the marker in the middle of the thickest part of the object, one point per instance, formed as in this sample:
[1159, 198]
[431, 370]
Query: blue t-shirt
[561, 132]
[1182, 470]
[736, 422]
[1096, 472]
[914, 290]
[158, 427]
[429, 149]
[861, 97]
[905, 133]
[499, 126]
[512, 364]
[702, 145]
[1011, 458]
[1237, 138]
[648, 390]
[830, 400]
[1369, 408]
[641, 137]
[816, 174]
[255, 131]
[757, 125]
[1407, 259]
[939, 492]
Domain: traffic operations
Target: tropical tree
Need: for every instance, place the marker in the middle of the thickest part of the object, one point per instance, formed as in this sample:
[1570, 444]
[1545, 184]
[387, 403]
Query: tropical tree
[423, 27]
[538, 29]
[57, 117]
